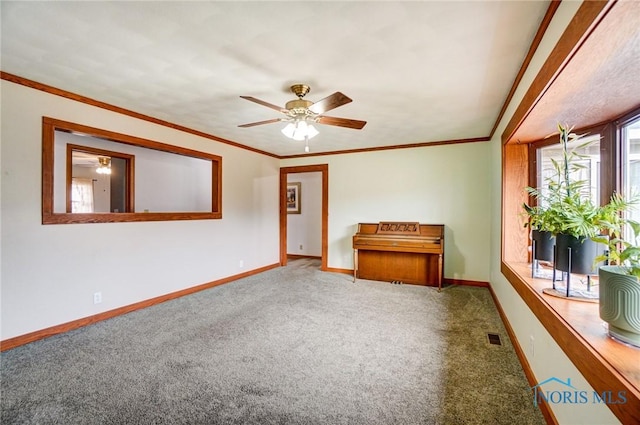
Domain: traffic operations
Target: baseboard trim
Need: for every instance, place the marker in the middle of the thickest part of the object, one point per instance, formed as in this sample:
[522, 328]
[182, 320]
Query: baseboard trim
[17, 341]
[298, 256]
[448, 281]
[337, 270]
[548, 415]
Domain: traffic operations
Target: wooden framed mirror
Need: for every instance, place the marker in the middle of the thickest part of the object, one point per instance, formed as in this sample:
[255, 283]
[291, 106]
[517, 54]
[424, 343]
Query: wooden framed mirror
[90, 175]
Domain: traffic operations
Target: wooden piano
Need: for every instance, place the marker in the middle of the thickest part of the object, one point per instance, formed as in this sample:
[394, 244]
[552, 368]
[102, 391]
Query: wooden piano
[407, 252]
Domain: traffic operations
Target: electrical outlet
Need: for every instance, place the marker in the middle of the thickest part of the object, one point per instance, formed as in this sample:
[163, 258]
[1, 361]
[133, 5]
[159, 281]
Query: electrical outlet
[241, 263]
[532, 346]
[97, 297]
[300, 247]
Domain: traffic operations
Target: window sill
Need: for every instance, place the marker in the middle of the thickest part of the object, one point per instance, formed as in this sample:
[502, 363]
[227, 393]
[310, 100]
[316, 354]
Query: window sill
[577, 328]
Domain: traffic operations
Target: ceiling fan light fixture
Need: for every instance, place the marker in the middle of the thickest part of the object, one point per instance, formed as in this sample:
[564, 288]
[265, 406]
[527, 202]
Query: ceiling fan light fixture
[299, 130]
[105, 165]
[300, 113]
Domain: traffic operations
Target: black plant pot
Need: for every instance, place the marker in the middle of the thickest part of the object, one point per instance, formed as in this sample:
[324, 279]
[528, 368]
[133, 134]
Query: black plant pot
[544, 242]
[583, 253]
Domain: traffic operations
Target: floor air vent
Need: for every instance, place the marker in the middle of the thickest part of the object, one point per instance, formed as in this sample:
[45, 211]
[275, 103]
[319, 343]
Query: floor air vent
[494, 339]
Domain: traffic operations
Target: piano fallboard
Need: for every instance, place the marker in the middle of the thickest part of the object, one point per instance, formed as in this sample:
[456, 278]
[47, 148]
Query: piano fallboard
[397, 243]
[399, 251]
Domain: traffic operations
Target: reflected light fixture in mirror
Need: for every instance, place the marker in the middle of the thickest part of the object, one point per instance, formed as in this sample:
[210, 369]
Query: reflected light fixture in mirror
[105, 165]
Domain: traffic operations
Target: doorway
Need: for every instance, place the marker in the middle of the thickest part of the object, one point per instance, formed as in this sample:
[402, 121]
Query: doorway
[284, 174]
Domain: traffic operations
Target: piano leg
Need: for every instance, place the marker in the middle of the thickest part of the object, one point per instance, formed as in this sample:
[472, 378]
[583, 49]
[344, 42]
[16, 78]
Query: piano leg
[355, 264]
[439, 272]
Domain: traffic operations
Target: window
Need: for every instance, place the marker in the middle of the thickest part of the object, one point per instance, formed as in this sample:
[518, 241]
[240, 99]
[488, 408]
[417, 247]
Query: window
[630, 140]
[602, 96]
[81, 195]
[588, 148]
[601, 159]
[611, 159]
[611, 165]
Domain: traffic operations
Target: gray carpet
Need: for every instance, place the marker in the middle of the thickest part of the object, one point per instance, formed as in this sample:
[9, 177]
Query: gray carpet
[289, 346]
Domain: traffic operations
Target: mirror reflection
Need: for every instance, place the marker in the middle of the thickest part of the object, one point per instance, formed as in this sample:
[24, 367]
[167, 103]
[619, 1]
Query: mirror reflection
[164, 182]
[90, 175]
[98, 183]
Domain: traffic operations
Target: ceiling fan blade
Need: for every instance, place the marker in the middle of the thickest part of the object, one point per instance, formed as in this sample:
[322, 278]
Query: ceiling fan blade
[329, 103]
[342, 122]
[252, 124]
[263, 103]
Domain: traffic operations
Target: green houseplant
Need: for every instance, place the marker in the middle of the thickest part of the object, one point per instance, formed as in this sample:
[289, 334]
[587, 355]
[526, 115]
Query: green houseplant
[565, 209]
[540, 221]
[612, 222]
[619, 287]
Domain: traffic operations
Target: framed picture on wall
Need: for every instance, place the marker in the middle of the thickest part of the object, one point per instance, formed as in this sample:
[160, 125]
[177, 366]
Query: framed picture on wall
[293, 198]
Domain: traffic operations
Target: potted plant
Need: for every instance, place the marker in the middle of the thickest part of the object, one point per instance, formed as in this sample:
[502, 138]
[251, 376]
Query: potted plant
[541, 222]
[566, 210]
[619, 285]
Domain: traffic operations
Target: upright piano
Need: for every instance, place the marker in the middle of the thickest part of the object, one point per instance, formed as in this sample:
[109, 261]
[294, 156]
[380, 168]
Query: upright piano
[406, 252]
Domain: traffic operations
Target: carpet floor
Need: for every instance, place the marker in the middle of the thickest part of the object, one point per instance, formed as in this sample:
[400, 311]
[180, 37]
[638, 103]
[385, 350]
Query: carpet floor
[292, 345]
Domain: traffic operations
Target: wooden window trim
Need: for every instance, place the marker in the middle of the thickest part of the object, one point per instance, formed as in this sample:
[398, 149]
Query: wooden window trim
[575, 326]
[606, 364]
[50, 125]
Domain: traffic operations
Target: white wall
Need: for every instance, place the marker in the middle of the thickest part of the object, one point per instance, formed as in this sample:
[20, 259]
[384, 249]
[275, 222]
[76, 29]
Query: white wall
[446, 184]
[305, 229]
[547, 359]
[50, 272]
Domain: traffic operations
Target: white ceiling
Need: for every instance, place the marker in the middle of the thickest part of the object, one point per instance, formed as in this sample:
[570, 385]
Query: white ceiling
[420, 71]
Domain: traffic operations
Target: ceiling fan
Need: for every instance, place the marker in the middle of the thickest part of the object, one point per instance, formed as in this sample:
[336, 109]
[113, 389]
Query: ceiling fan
[300, 113]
